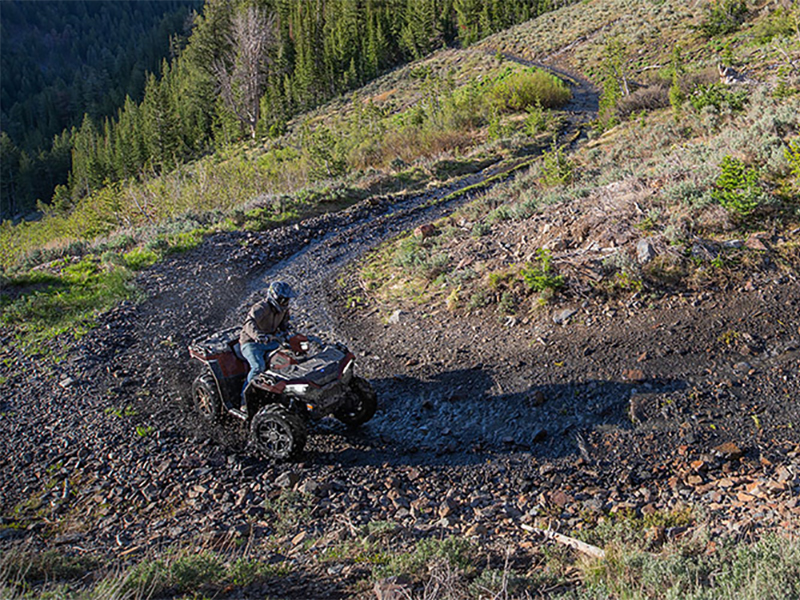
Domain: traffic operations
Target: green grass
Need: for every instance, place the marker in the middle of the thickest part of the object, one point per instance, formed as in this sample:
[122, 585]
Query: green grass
[45, 306]
[26, 574]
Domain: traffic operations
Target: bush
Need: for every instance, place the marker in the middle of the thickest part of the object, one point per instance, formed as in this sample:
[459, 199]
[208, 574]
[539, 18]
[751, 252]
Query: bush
[139, 258]
[737, 187]
[538, 275]
[647, 98]
[557, 169]
[723, 17]
[718, 96]
[530, 88]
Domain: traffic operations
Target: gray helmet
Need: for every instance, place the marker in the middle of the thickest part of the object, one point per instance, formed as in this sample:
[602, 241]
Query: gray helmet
[279, 293]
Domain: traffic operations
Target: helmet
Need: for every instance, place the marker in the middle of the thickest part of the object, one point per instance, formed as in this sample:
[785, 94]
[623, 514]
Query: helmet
[279, 293]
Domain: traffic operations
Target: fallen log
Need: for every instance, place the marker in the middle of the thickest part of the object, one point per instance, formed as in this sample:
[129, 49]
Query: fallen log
[578, 545]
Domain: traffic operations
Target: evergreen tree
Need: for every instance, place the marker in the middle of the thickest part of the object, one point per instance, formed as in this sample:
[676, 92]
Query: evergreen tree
[9, 171]
[160, 125]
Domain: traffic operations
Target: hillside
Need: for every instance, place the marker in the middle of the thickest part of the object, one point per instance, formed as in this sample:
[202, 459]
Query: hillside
[63, 60]
[581, 318]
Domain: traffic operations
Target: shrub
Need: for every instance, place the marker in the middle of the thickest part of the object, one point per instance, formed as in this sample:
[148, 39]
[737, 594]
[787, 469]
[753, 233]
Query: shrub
[530, 88]
[737, 187]
[782, 22]
[139, 258]
[792, 153]
[538, 275]
[647, 98]
[557, 169]
[723, 17]
[718, 96]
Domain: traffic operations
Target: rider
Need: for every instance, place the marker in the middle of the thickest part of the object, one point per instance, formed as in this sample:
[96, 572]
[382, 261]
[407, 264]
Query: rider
[264, 320]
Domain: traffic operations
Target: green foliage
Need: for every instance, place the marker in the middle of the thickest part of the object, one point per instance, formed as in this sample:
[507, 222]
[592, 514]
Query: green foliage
[781, 22]
[288, 511]
[767, 568]
[455, 550]
[144, 431]
[737, 188]
[215, 92]
[29, 568]
[520, 91]
[722, 17]
[792, 153]
[182, 573]
[65, 303]
[140, 258]
[420, 256]
[538, 275]
[613, 71]
[557, 169]
[676, 95]
[718, 96]
[89, 62]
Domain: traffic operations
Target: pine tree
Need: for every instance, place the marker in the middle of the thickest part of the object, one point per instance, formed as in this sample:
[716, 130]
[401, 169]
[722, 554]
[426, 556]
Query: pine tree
[160, 125]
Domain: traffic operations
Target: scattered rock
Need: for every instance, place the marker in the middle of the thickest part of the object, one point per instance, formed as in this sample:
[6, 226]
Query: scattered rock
[729, 451]
[645, 252]
[562, 316]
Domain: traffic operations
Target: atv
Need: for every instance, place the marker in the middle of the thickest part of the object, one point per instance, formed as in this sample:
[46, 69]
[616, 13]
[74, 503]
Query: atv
[306, 379]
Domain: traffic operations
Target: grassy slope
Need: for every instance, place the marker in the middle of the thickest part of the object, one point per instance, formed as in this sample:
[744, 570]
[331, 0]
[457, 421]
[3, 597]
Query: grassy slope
[657, 175]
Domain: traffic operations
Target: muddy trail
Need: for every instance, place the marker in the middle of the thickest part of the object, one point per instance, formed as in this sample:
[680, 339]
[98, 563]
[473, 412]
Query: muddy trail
[481, 424]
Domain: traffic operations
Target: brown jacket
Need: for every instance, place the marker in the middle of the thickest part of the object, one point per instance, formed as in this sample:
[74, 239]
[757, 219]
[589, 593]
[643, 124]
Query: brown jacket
[263, 319]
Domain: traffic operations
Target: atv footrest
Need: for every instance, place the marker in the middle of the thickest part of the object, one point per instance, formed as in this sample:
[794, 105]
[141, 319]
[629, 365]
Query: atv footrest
[238, 413]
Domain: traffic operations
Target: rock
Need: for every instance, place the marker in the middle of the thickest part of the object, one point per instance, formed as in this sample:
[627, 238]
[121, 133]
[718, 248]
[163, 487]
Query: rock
[729, 451]
[308, 487]
[66, 382]
[426, 231]
[396, 317]
[634, 375]
[447, 508]
[299, 538]
[476, 529]
[562, 316]
[287, 480]
[539, 435]
[637, 408]
[706, 251]
[645, 251]
[560, 498]
[537, 398]
[755, 243]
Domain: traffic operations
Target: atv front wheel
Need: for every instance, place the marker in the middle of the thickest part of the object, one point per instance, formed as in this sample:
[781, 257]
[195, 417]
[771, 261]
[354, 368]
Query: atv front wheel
[206, 397]
[278, 433]
[361, 406]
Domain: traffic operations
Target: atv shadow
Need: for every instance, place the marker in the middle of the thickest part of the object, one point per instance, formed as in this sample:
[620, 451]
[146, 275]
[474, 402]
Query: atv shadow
[460, 417]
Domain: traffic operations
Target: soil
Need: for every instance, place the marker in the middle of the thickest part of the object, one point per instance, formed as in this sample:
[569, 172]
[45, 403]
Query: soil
[587, 406]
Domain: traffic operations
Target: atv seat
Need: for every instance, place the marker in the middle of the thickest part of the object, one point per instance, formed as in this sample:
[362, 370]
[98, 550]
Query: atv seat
[237, 350]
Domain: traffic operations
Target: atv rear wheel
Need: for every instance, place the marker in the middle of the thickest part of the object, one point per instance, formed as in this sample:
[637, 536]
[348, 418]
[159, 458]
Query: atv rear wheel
[206, 397]
[278, 433]
[361, 406]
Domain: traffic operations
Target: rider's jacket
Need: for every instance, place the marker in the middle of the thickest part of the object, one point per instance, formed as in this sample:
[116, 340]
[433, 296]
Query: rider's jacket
[263, 319]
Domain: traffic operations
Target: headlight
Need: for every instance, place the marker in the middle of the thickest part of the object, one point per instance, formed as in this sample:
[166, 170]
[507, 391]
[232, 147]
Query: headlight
[298, 389]
[347, 373]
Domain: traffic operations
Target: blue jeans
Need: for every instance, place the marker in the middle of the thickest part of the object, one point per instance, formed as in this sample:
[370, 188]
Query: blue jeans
[256, 356]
